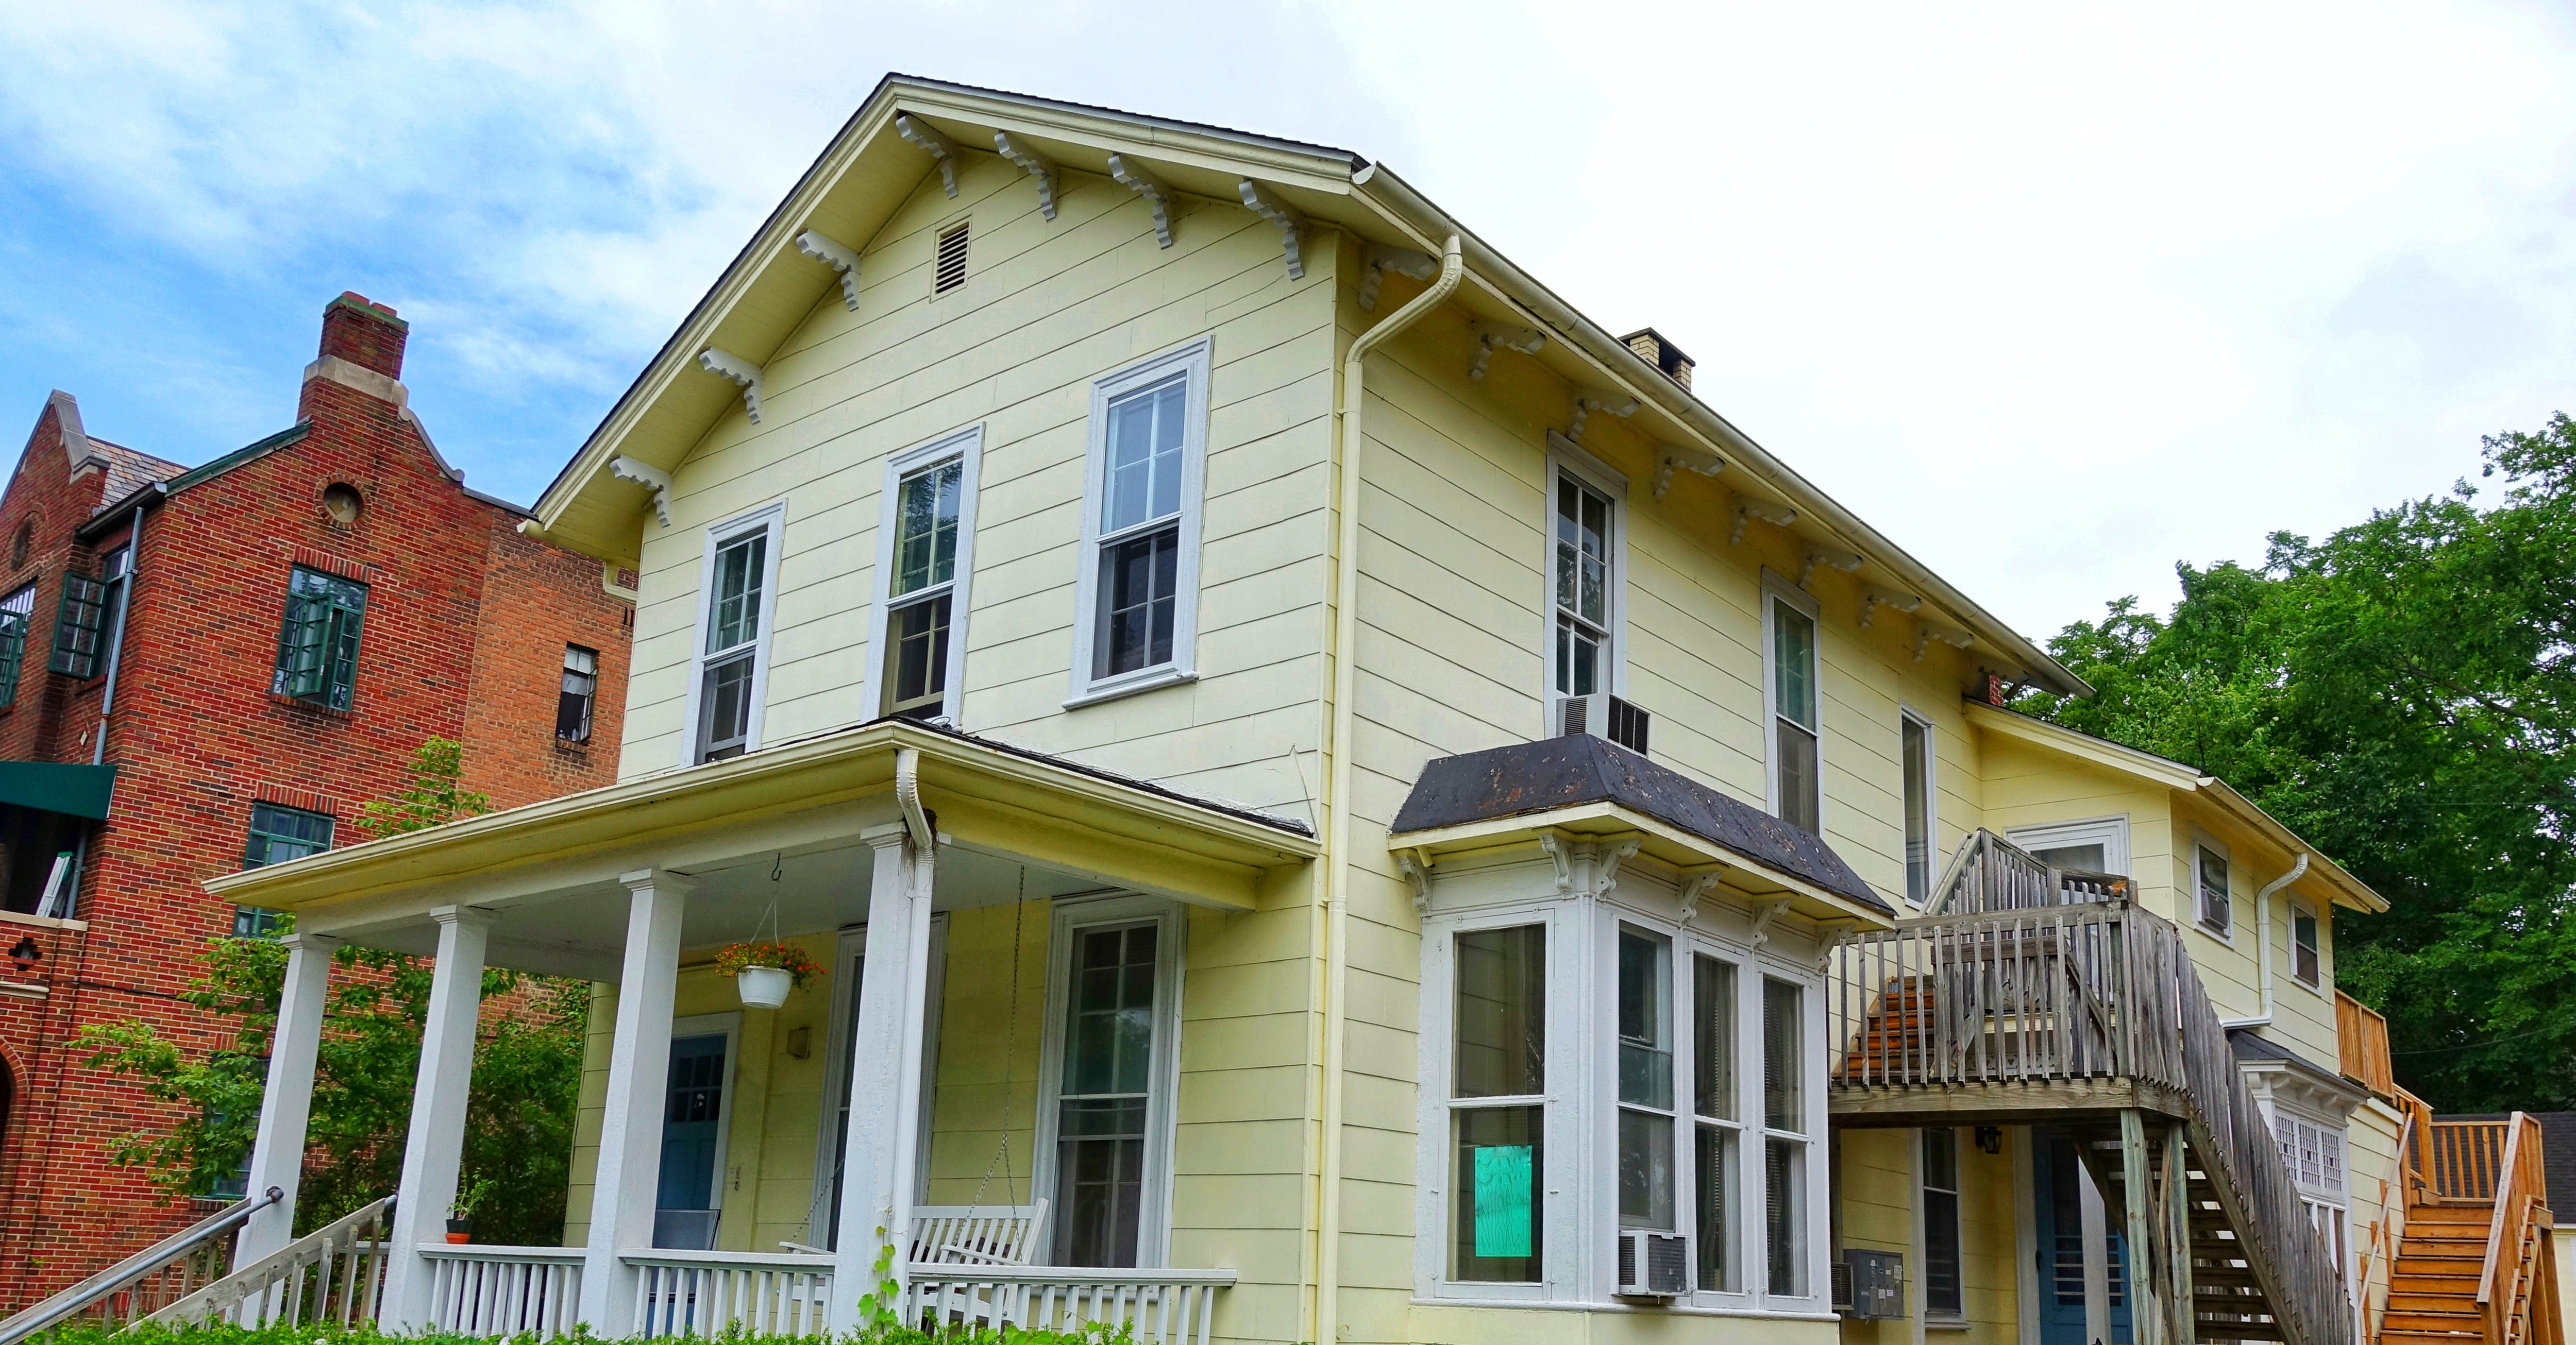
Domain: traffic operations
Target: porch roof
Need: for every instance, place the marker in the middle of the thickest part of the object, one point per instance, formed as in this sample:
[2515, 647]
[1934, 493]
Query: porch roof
[983, 793]
[1584, 783]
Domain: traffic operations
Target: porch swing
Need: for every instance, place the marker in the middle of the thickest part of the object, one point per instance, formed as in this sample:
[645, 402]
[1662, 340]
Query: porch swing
[974, 1233]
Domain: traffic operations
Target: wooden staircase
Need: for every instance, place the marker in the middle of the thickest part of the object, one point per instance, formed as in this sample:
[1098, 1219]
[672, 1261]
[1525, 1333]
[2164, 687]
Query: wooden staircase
[2433, 1286]
[2473, 1266]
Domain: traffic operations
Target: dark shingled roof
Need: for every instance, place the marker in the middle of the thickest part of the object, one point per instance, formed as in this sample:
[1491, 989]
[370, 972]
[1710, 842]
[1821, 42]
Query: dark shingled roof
[2557, 1153]
[1578, 769]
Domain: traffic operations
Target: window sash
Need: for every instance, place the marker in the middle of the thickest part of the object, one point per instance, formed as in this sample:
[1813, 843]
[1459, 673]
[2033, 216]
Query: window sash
[734, 598]
[278, 834]
[317, 649]
[2214, 895]
[579, 696]
[1584, 586]
[1796, 746]
[1138, 600]
[2306, 958]
[13, 645]
[1942, 1294]
[77, 625]
[927, 503]
[1915, 760]
[1146, 440]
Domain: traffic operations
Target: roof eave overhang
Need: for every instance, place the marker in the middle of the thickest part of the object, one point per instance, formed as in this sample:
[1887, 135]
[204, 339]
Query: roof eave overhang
[1659, 841]
[984, 796]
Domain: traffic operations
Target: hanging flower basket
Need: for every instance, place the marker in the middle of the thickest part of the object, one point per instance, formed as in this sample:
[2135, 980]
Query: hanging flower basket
[764, 972]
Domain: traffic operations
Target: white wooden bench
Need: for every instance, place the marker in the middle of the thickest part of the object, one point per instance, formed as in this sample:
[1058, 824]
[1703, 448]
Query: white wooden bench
[985, 1235]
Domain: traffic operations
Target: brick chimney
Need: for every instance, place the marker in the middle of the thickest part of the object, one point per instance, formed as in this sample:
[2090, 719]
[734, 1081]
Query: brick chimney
[1660, 352]
[365, 333]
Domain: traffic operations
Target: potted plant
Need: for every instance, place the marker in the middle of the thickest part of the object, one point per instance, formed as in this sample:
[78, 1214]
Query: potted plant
[765, 972]
[460, 1214]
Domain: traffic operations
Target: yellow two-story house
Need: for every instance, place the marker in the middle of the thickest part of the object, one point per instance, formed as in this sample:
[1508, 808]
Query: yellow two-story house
[1335, 800]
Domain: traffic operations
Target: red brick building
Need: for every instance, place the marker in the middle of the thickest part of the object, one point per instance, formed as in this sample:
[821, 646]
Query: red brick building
[202, 667]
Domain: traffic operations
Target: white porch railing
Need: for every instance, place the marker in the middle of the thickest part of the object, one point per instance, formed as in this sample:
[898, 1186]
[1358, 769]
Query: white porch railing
[477, 1290]
[708, 1293]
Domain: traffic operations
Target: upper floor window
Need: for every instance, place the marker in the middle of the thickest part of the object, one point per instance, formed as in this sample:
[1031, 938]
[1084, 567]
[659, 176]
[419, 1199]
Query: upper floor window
[740, 573]
[2095, 845]
[1941, 1290]
[16, 611]
[925, 553]
[317, 653]
[1583, 586]
[1914, 752]
[1797, 787]
[88, 618]
[580, 694]
[1138, 586]
[2306, 963]
[2209, 869]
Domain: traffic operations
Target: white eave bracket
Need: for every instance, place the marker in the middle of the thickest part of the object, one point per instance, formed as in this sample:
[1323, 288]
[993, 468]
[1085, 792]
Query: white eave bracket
[1284, 215]
[935, 145]
[1493, 336]
[1671, 456]
[1764, 912]
[649, 477]
[1146, 185]
[1382, 259]
[1038, 167]
[1747, 509]
[1849, 562]
[724, 364]
[839, 257]
[1871, 599]
[1589, 400]
[1925, 632]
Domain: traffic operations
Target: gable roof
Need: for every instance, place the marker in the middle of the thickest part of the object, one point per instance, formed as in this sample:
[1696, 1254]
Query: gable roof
[129, 470]
[869, 171]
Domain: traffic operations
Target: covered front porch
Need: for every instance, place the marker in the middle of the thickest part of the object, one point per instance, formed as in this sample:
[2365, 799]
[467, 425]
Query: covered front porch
[978, 1099]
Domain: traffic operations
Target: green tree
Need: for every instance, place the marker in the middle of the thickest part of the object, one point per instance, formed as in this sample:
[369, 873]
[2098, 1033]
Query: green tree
[2402, 693]
[436, 794]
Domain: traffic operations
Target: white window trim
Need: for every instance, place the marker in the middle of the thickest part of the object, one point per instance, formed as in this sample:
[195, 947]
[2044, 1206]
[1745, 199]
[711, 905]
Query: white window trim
[2290, 944]
[1197, 359]
[849, 953]
[2111, 833]
[967, 446]
[1567, 458]
[771, 518]
[1923, 1227]
[1933, 864]
[1775, 585]
[2226, 934]
[1154, 1214]
[729, 1026]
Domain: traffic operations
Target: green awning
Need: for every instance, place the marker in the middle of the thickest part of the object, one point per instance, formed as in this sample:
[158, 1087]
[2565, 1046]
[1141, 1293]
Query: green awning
[81, 791]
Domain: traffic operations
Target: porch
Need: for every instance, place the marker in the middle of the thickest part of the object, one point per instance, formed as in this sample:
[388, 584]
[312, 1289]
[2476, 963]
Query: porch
[969, 1116]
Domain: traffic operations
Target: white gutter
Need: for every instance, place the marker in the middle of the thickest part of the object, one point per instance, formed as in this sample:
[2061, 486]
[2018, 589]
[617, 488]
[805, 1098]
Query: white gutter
[1337, 847]
[2263, 942]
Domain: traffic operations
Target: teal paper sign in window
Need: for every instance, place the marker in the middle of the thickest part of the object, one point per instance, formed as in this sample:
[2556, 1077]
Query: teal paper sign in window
[1503, 1176]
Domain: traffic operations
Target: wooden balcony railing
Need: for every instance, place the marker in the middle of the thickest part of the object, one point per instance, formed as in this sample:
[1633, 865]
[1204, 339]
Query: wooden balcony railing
[2362, 1039]
[1989, 873]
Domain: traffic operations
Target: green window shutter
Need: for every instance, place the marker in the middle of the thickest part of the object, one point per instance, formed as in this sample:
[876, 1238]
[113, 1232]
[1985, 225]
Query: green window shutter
[299, 648]
[13, 653]
[77, 629]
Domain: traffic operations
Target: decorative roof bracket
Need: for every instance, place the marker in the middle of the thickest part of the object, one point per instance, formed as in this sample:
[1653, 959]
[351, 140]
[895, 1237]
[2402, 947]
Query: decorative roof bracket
[1038, 167]
[837, 256]
[1382, 259]
[727, 365]
[1670, 456]
[1589, 400]
[649, 477]
[1871, 599]
[1747, 509]
[1150, 187]
[1833, 935]
[1556, 850]
[1925, 632]
[1416, 868]
[1695, 887]
[1846, 561]
[1284, 215]
[1491, 336]
[933, 143]
[1605, 866]
[1764, 912]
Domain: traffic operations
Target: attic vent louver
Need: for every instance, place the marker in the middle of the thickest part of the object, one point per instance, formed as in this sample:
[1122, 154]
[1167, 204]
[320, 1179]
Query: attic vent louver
[951, 271]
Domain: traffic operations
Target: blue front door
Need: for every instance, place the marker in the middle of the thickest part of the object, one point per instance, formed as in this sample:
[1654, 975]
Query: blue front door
[684, 1216]
[2059, 1178]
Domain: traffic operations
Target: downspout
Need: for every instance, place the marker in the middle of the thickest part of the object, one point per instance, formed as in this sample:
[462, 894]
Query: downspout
[2263, 942]
[1337, 845]
[922, 857]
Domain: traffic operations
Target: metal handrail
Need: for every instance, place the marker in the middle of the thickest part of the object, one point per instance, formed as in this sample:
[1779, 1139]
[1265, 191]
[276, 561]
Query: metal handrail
[133, 1268]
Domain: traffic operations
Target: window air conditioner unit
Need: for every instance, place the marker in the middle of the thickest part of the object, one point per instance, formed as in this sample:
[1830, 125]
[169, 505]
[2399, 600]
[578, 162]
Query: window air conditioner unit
[1870, 1286]
[1653, 1265]
[1604, 716]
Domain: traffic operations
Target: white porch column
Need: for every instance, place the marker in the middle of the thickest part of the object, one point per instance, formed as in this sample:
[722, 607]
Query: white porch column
[885, 1074]
[277, 1155]
[639, 1072]
[436, 1147]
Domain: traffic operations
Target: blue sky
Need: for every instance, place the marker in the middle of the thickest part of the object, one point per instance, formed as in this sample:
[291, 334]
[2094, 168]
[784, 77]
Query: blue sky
[2054, 295]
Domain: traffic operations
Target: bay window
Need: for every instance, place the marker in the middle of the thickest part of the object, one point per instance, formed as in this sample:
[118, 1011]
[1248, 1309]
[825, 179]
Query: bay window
[1716, 1131]
[1645, 1080]
[1784, 1137]
[1497, 1109]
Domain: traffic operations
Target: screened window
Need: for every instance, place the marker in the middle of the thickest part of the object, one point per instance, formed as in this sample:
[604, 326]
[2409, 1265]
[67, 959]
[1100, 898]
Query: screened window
[1139, 585]
[1645, 1108]
[1497, 1109]
[1784, 1142]
[1106, 1095]
[2214, 909]
[1584, 588]
[2305, 962]
[1915, 749]
[80, 625]
[921, 591]
[1794, 719]
[16, 611]
[317, 653]
[2312, 1152]
[732, 653]
[1717, 1134]
[1941, 1292]
[580, 694]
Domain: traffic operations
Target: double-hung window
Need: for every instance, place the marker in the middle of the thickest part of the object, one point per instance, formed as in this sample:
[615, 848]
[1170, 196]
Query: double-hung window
[1108, 1107]
[1784, 1137]
[16, 611]
[1914, 752]
[741, 571]
[1138, 585]
[317, 652]
[1584, 586]
[1797, 787]
[580, 694]
[925, 552]
[277, 834]
[1645, 1080]
[1498, 1105]
[2209, 865]
[2306, 961]
[1717, 1134]
[1941, 1292]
